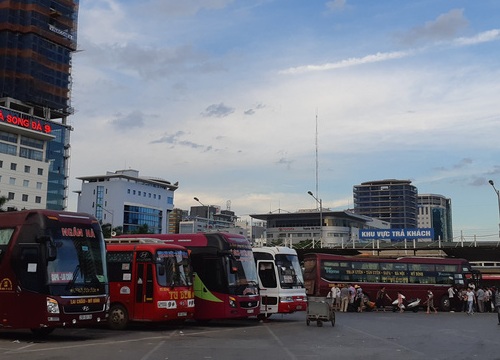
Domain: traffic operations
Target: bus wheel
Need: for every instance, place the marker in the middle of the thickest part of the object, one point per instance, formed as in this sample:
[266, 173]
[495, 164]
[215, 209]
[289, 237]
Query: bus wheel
[445, 303]
[118, 317]
[42, 332]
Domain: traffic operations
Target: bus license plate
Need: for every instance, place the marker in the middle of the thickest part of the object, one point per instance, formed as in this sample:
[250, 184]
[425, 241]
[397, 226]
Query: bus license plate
[249, 311]
[299, 307]
[180, 314]
[85, 317]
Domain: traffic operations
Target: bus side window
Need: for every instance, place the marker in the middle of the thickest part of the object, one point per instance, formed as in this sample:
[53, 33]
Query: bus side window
[267, 274]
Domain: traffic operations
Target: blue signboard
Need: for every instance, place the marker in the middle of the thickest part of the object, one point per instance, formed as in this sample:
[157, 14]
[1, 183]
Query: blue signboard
[396, 234]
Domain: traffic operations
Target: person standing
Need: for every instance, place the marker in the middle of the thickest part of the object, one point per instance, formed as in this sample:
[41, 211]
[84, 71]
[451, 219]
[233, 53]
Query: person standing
[480, 299]
[352, 296]
[337, 296]
[452, 296]
[497, 304]
[359, 298]
[344, 298]
[471, 298]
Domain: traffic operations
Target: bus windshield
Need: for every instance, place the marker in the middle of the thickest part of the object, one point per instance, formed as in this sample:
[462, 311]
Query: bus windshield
[289, 271]
[77, 268]
[242, 275]
[174, 268]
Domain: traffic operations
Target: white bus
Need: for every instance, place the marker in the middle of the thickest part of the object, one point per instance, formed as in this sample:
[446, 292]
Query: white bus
[280, 281]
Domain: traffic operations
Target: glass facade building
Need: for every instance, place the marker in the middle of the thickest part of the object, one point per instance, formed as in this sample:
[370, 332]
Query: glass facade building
[37, 38]
[394, 201]
[434, 211]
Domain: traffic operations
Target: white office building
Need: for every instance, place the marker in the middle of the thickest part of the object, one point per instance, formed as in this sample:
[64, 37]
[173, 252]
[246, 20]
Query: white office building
[124, 199]
[24, 166]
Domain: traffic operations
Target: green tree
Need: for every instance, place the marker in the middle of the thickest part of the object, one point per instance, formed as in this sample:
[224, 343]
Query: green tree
[3, 200]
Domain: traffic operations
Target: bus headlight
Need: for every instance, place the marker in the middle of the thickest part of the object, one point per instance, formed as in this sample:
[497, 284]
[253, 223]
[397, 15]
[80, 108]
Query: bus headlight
[232, 302]
[286, 299]
[52, 306]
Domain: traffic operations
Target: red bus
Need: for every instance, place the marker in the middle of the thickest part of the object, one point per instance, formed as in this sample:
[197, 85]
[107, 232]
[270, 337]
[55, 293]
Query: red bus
[52, 271]
[225, 278]
[148, 281]
[413, 276]
[280, 280]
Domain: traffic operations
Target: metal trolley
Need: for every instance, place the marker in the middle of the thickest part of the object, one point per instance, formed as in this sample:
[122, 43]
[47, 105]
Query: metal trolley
[319, 309]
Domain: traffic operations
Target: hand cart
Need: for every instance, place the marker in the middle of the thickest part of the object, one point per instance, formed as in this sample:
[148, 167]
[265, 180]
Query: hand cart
[319, 309]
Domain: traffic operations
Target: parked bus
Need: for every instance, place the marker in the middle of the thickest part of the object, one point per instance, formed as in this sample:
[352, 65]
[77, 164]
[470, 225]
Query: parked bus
[280, 280]
[148, 281]
[52, 271]
[413, 276]
[490, 272]
[225, 278]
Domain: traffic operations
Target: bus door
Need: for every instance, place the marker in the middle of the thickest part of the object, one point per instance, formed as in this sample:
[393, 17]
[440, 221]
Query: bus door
[30, 284]
[144, 291]
[268, 286]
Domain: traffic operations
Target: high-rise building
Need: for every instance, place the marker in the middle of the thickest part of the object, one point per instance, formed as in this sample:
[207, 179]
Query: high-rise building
[125, 199]
[434, 211]
[391, 200]
[37, 39]
[174, 219]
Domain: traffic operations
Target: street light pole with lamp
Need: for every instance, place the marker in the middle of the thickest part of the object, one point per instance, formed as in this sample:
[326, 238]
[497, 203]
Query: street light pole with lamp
[208, 211]
[320, 216]
[112, 217]
[498, 197]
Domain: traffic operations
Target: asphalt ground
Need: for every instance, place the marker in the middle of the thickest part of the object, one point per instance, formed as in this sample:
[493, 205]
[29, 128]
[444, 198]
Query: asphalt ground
[373, 335]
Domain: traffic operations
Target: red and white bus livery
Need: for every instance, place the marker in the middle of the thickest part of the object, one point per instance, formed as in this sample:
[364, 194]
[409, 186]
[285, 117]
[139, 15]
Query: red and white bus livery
[148, 281]
[225, 277]
[413, 276]
[280, 279]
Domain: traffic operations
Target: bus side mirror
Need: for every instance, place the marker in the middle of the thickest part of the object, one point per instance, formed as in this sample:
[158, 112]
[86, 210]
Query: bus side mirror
[51, 247]
[51, 251]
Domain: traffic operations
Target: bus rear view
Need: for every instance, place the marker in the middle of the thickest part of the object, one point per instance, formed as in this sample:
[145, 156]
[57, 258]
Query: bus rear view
[53, 271]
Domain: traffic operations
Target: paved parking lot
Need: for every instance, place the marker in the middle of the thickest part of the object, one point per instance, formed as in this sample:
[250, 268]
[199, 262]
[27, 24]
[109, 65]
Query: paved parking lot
[367, 335]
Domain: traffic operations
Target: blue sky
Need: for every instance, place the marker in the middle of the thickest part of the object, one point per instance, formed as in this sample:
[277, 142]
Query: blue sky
[224, 97]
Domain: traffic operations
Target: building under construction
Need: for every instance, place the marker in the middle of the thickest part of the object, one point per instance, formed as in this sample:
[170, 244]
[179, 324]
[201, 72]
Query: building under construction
[37, 39]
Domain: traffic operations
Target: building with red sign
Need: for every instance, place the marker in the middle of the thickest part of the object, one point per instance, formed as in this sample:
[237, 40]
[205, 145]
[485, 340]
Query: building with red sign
[37, 39]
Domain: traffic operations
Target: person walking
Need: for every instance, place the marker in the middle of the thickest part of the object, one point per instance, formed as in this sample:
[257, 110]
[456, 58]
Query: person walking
[430, 302]
[380, 300]
[401, 298]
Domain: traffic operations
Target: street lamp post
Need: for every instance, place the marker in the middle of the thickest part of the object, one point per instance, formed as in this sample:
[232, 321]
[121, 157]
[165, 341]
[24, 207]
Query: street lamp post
[320, 216]
[112, 216]
[208, 211]
[498, 197]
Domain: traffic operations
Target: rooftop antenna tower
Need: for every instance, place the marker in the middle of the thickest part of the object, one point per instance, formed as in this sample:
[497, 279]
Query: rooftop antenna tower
[317, 163]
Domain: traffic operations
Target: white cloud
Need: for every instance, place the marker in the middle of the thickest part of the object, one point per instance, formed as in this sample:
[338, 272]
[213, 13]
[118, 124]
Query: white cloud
[368, 59]
[486, 36]
[191, 94]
